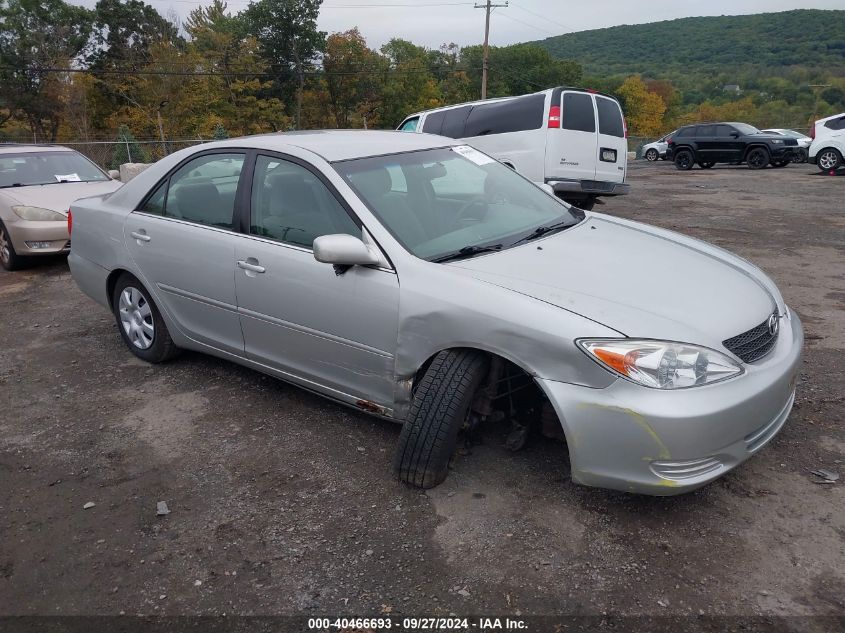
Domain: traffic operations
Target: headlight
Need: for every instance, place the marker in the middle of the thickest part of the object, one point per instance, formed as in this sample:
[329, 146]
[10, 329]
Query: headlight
[661, 364]
[776, 141]
[38, 214]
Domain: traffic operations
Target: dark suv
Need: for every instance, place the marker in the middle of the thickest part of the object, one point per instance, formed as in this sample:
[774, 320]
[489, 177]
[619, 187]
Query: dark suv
[734, 143]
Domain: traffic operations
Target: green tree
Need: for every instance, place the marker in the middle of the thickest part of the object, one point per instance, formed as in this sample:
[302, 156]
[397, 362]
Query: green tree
[220, 133]
[127, 149]
[37, 37]
[350, 78]
[409, 84]
[290, 42]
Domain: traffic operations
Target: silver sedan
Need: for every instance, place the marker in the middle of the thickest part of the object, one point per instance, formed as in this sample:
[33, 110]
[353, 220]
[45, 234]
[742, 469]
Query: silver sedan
[418, 279]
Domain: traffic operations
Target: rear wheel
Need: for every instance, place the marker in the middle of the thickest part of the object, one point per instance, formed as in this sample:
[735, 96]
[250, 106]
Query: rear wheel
[140, 323]
[440, 408]
[684, 160]
[757, 158]
[8, 257]
[652, 155]
[800, 156]
[829, 159]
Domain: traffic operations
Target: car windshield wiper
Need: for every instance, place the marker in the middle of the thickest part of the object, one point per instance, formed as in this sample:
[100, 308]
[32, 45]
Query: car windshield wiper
[466, 251]
[545, 229]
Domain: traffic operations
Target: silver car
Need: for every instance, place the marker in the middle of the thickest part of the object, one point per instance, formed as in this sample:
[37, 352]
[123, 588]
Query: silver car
[418, 279]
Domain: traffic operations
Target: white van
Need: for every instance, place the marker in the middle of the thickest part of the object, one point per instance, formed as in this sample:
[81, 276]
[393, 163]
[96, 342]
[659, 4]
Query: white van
[569, 138]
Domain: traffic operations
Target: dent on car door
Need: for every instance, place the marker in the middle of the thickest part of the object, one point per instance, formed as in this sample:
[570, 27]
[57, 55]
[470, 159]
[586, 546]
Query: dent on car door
[181, 240]
[336, 332]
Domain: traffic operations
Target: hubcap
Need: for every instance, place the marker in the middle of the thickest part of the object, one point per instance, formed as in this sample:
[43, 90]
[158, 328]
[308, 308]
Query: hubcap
[651, 154]
[827, 160]
[136, 317]
[4, 246]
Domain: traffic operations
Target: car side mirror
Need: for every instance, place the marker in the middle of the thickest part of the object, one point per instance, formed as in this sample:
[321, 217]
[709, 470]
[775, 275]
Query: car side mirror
[114, 174]
[735, 134]
[344, 250]
[547, 188]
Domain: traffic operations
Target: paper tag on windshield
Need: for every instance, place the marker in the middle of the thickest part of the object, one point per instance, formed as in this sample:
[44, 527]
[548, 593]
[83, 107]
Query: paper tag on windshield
[67, 178]
[472, 154]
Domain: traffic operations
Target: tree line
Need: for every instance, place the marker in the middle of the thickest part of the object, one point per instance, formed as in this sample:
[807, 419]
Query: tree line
[122, 70]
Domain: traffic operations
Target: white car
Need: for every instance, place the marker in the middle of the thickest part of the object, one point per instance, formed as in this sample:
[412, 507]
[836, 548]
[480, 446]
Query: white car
[803, 142]
[571, 139]
[657, 149]
[828, 146]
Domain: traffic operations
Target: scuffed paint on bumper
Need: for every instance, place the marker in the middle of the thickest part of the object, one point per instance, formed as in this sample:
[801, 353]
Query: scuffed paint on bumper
[632, 438]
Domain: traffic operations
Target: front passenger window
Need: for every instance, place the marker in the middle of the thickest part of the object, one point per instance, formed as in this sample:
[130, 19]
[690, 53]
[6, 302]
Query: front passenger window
[203, 190]
[291, 204]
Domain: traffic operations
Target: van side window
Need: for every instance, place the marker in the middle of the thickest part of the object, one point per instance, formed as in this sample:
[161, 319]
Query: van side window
[434, 122]
[610, 117]
[513, 115]
[453, 123]
[410, 125]
[578, 112]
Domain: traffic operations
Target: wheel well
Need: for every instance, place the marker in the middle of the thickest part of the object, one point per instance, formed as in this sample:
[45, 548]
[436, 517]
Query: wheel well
[755, 146]
[508, 384]
[111, 282]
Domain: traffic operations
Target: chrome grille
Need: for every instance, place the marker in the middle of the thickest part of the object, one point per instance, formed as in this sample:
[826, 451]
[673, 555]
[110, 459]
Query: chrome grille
[753, 344]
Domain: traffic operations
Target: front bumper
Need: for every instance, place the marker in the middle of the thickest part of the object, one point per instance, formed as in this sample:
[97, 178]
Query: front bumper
[632, 438]
[39, 238]
[783, 153]
[590, 187]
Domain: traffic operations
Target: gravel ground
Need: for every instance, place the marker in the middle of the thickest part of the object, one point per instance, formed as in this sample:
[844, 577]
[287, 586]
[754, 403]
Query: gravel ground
[283, 503]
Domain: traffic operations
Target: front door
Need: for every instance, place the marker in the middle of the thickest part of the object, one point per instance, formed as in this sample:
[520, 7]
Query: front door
[182, 242]
[335, 332]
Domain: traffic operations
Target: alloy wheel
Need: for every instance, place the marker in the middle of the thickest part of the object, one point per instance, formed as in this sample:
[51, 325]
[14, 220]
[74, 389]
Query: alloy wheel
[651, 155]
[136, 317]
[4, 246]
[828, 159]
[757, 159]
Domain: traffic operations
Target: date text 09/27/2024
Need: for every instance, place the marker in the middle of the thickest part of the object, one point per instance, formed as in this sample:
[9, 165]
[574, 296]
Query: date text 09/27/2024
[418, 624]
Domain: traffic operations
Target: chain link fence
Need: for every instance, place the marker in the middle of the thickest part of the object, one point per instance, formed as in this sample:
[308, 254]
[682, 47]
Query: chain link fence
[109, 154]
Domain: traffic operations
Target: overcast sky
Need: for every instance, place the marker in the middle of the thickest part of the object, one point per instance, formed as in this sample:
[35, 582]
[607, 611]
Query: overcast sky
[434, 22]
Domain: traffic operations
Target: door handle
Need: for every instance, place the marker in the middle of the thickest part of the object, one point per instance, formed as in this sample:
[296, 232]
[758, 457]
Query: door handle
[140, 236]
[246, 265]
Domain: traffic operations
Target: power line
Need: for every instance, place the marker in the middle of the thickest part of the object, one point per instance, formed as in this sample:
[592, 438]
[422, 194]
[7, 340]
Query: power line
[510, 17]
[541, 16]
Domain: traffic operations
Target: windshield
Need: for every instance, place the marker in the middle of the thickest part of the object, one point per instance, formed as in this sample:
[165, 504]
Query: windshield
[744, 128]
[793, 134]
[438, 202]
[43, 168]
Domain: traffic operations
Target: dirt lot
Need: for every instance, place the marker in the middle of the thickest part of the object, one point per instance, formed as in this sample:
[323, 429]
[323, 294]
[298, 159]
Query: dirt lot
[282, 503]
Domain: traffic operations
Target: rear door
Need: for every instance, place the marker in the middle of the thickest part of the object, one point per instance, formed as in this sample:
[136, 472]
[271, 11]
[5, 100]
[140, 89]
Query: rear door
[613, 147]
[182, 240]
[571, 149]
[711, 149]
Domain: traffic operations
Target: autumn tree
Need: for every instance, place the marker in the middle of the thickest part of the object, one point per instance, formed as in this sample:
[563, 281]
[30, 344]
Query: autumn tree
[409, 85]
[38, 39]
[351, 71]
[290, 42]
[643, 109]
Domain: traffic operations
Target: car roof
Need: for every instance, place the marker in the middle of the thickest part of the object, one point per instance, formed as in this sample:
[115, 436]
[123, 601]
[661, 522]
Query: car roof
[337, 145]
[12, 148]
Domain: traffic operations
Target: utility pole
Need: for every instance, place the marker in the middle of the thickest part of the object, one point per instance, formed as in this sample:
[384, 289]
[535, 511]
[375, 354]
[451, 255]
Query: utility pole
[488, 6]
[160, 129]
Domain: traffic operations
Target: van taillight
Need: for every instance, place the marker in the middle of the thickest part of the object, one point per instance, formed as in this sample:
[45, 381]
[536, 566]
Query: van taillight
[69, 222]
[554, 116]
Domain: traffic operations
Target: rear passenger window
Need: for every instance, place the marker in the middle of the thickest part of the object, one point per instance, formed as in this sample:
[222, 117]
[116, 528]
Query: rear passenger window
[578, 112]
[155, 203]
[434, 122]
[203, 190]
[501, 117]
[610, 117]
[291, 204]
[706, 130]
[687, 131]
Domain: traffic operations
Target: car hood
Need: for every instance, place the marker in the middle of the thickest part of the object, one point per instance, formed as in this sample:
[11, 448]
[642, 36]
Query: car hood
[639, 281]
[59, 196]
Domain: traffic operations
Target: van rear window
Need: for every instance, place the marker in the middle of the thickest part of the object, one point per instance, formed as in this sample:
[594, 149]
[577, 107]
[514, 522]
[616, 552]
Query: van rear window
[610, 117]
[434, 122]
[578, 112]
[501, 117]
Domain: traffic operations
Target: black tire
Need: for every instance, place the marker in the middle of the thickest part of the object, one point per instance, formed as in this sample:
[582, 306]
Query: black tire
[652, 155]
[800, 156]
[828, 159]
[684, 160]
[9, 259]
[757, 158]
[706, 165]
[162, 347]
[438, 412]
